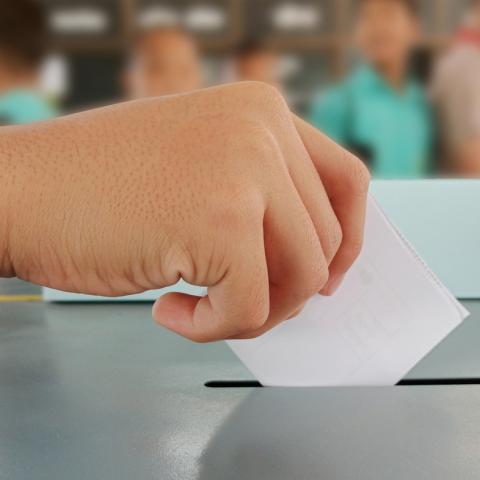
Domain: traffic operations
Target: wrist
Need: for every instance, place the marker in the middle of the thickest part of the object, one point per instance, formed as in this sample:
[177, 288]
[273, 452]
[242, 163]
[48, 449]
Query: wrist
[6, 269]
[6, 180]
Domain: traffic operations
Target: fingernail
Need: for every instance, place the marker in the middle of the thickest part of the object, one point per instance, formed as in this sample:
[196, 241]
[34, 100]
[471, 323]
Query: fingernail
[165, 313]
[332, 285]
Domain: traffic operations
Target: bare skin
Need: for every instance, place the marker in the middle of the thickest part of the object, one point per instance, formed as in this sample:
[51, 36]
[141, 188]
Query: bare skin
[221, 187]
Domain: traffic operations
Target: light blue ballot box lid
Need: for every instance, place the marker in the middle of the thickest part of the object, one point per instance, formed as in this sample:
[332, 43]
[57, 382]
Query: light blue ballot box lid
[440, 218]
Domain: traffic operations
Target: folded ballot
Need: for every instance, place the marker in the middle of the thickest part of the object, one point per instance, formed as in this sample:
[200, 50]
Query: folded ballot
[389, 313]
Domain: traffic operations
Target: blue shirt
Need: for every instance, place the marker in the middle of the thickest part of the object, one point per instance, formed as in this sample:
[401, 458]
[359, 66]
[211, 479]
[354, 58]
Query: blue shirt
[392, 129]
[24, 106]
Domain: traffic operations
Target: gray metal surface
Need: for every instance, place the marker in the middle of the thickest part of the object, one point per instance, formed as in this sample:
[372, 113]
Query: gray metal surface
[458, 356]
[97, 391]
[14, 286]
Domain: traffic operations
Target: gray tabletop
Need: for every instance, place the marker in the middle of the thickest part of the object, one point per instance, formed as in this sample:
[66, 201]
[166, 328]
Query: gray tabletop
[98, 391]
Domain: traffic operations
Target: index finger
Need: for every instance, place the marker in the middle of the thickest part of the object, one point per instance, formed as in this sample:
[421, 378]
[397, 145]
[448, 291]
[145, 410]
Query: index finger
[238, 296]
[346, 180]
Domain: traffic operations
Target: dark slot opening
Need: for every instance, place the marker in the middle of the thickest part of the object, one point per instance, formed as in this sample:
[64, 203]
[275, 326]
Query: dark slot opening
[441, 381]
[233, 384]
[403, 383]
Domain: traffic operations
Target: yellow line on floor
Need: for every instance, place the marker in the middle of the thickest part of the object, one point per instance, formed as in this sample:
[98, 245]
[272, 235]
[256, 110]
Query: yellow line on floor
[20, 298]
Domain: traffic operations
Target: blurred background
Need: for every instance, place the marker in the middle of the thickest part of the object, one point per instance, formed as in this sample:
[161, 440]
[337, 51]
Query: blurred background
[395, 81]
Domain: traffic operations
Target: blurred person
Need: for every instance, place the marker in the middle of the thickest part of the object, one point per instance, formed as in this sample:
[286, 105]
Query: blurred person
[163, 61]
[23, 45]
[456, 92]
[380, 111]
[256, 61]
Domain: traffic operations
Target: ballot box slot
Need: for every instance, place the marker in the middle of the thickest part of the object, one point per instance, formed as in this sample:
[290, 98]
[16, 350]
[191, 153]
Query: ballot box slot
[441, 381]
[233, 384]
[403, 383]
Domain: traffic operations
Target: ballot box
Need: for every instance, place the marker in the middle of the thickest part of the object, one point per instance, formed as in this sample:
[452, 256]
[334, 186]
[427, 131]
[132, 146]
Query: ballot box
[438, 217]
[99, 391]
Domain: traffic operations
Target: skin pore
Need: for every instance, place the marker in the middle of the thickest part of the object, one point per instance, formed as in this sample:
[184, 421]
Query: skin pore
[223, 187]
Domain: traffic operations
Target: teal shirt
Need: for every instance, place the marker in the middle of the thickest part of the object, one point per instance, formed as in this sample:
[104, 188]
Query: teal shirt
[24, 106]
[394, 129]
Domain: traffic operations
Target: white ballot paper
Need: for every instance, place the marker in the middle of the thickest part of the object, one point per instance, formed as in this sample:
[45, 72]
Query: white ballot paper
[389, 313]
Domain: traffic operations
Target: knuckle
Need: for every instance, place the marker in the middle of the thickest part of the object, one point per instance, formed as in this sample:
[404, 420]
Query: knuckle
[248, 213]
[263, 91]
[315, 281]
[264, 98]
[256, 314]
[274, 97]
[240, 213]
[335, 238]
[257, 148]
[314, 274]
[320, 278]
[358, 174]
[353, 249]
[263, 143]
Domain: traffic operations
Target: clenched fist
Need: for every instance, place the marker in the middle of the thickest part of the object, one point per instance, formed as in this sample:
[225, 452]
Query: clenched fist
[222, 187]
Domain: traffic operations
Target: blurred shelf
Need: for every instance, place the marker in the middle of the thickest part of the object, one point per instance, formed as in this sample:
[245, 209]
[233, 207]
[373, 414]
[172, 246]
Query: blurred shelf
[435, 42]
[243, 19]
[307, 43]
[328, 39]
[76, 45]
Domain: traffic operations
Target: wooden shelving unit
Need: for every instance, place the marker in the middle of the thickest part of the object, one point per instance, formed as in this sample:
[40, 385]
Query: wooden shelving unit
[325, 46]
[439, 18]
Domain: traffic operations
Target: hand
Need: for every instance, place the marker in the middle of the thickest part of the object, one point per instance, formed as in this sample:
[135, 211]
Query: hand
[222, 187]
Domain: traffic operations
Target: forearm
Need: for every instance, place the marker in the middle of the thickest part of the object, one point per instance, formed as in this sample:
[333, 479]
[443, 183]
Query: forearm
[56, 174]
[218, 187]
[5, 264]
[45, 168]
[6, 185]
[62, 184]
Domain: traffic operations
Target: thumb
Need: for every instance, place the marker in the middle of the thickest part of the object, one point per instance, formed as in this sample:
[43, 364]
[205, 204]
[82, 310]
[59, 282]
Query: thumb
[237, 304]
